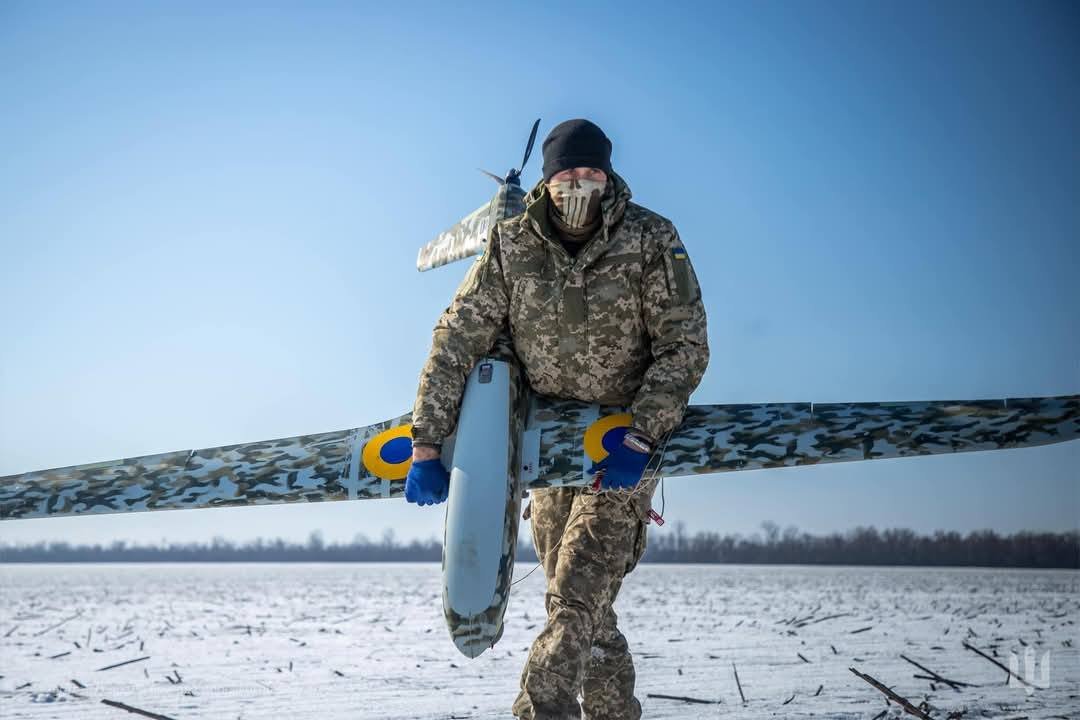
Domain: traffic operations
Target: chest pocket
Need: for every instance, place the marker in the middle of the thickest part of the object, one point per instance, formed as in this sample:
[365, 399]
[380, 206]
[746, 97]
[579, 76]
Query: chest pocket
[613, 277]
[533, 293]
[613, 299]
[624, 265]
[532, 264]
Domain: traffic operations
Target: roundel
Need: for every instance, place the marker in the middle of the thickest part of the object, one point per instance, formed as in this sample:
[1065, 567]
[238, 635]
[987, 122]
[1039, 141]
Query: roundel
[388, 455]
[605, 434]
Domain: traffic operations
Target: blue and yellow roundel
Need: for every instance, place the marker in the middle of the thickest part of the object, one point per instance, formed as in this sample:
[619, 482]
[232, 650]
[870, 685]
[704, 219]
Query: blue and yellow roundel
[605, 434]
[388, 455]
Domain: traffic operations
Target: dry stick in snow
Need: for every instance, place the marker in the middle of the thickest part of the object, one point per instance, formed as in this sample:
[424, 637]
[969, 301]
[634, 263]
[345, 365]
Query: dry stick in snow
[1007, 670]
[899, 700]
[822, 619]
[53, 627]
[698, 701]
[951, 683]
[126, 662]
[137, 711]
[737, 683]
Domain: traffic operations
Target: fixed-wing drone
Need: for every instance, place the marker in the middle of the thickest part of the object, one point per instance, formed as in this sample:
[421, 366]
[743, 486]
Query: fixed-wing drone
[509, 440]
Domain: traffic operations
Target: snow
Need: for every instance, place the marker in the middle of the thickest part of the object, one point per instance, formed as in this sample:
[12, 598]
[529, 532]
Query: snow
[364, 641]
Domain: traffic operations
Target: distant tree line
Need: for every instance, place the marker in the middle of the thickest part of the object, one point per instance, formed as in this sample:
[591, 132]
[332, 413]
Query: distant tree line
[860, 546]
[361, 549]
[868, 546]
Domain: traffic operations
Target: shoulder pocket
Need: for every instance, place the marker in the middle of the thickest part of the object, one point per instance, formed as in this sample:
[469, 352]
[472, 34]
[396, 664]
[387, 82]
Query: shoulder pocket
[681, 275]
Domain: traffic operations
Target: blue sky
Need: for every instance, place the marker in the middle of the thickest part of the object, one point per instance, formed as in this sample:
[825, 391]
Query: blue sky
[209, 215]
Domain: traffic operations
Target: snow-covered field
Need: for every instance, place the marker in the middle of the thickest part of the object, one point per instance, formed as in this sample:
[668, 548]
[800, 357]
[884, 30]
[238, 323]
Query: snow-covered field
[367, 641]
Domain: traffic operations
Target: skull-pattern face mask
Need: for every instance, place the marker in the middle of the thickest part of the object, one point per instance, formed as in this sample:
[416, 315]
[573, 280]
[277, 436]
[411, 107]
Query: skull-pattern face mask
[577, 200]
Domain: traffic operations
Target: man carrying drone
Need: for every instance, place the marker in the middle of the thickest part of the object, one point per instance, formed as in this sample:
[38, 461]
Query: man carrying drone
[600, 301]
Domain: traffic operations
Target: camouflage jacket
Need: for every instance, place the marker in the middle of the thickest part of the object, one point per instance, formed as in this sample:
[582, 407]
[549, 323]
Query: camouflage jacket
[622, 323]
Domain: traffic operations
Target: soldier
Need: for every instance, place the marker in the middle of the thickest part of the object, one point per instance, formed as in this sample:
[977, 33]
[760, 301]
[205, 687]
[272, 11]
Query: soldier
[601, 304]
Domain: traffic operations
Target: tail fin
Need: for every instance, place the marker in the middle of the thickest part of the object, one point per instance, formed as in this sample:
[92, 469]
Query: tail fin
[470, 235]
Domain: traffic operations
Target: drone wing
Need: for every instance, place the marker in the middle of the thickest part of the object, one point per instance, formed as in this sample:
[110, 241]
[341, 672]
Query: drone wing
[564, 438]
[357, 464]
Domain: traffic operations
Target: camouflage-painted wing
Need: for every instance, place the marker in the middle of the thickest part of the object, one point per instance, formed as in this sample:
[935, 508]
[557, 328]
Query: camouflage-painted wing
[309, 468]
[469, 236]
[561, 439]
[722, 438]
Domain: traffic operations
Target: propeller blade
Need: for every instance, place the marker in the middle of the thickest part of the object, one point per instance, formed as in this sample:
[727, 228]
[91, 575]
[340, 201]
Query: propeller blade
[493, 176]
[529, 146]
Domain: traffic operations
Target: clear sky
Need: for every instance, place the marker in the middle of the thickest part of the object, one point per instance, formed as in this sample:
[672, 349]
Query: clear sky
[209, 217]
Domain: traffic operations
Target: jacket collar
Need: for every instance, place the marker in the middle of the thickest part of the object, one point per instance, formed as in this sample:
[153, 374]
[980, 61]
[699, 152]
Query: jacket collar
[612, 207]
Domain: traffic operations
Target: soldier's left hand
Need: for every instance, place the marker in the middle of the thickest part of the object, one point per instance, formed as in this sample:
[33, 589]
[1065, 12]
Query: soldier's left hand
[624, 466]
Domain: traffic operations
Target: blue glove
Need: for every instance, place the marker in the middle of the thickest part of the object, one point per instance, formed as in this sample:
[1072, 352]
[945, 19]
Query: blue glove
[427, 483]
[624, 466]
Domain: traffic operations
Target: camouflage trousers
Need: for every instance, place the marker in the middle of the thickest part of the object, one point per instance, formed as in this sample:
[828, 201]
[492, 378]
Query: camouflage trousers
[587, 542]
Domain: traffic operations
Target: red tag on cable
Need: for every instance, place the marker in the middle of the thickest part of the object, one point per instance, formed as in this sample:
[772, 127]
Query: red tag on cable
[655, 517]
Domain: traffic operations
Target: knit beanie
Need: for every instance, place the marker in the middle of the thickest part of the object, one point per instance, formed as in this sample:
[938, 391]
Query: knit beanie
[576, 143]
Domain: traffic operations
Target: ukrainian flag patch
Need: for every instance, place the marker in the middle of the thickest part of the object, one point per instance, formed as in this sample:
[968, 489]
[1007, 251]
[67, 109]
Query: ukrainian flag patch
[678, 253]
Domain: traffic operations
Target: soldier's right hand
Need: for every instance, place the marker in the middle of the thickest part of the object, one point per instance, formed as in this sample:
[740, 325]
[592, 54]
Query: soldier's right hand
[427, 483]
